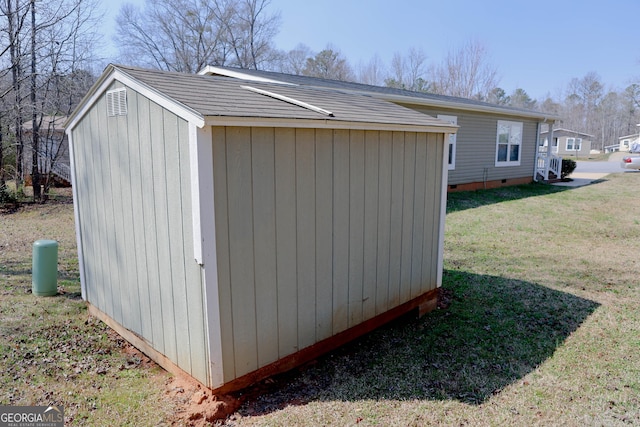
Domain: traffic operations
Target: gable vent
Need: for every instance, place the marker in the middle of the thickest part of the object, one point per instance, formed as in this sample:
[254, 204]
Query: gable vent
[117, 102]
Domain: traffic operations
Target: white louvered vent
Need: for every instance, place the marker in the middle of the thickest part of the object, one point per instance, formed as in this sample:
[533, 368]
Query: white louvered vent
[117, 102]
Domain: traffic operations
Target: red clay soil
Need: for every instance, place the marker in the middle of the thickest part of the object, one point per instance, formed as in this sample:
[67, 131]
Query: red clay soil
[197, 406]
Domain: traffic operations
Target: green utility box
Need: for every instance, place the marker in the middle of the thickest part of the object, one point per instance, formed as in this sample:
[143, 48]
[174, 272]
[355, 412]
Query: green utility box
[45, 268]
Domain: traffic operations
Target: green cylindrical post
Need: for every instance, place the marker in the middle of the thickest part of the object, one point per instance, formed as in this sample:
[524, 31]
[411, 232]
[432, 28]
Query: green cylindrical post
[45, 268]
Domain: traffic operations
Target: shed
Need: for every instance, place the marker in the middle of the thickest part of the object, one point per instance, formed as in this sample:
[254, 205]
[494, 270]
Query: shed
[234, 229]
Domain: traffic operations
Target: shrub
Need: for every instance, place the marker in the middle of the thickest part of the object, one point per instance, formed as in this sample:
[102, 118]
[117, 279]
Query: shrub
[568, 166]
[7, 197]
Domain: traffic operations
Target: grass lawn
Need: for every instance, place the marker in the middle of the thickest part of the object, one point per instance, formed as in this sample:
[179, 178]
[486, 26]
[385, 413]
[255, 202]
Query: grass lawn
[539, 325]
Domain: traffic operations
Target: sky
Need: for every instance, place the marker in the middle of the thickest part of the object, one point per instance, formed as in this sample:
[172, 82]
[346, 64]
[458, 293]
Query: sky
[538, 46]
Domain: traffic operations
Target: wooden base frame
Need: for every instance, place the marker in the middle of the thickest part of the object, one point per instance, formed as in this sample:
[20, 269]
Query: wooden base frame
[423, 304]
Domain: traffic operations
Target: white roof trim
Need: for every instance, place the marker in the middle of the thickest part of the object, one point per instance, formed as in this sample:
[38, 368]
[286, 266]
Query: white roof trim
[289, 100]
[211, 71]
[324, 124]
[568, 131]
[159, 98]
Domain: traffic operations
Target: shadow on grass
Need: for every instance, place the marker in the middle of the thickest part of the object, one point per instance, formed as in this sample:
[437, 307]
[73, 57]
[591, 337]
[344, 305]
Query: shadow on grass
[15, 275]
[20, 276]
[494, 332]
[459, 201]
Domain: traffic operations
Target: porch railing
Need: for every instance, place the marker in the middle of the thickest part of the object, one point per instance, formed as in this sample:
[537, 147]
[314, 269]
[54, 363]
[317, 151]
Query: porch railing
[57, 168]
[548, 164]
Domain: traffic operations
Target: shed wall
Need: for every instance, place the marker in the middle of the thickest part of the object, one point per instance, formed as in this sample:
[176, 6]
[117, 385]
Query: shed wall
[318, 231]
[476, 147]
[134, 203]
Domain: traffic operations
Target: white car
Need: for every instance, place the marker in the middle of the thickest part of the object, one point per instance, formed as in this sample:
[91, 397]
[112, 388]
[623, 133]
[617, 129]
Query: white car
[630, 162]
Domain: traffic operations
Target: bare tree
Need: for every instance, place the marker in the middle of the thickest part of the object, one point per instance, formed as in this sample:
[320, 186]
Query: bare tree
[610, 115]
[173, 35]
[372, 73]
[294, 61]
[466, 73]
[329, 63]
[47, 42]
[187, 35]
[409, 72]
[251, 35]
[16, 14]
[582, 101]
[630, 99]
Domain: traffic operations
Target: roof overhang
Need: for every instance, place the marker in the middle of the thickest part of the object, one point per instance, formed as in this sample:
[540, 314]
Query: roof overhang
[573, 132]
[113, 73]
[324, 124]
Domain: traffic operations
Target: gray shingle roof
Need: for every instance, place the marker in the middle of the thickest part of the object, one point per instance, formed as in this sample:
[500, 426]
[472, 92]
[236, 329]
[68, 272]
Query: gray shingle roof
[384, 92]
[213, 96]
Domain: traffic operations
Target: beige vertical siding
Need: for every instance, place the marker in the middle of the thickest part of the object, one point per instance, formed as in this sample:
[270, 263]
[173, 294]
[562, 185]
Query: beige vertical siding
[264, 212]
[356, 227]
[285, 194]
[324, 241]
[318, 231]
[305, 235]
[340, 307]
[134, 203]
[371, 198]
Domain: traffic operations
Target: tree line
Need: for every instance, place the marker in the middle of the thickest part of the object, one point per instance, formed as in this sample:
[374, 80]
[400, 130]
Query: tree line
[50, 54]
[46, 49]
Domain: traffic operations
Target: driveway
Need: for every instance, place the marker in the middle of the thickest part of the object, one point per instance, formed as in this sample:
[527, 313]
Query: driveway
[610, 166]
[586, 171]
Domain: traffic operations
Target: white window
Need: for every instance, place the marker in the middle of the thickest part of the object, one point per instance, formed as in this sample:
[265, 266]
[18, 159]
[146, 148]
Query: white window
[452, 140]
[574, 144]
[508, 143]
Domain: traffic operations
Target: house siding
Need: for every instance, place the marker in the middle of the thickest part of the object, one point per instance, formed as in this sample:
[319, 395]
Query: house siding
[561, 135]
[476, 147]
[135, 228]
[585, 147]
[318, 230]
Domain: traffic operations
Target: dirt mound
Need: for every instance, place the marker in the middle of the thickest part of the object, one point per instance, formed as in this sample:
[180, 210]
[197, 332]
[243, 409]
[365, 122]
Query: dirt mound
[197, 406]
